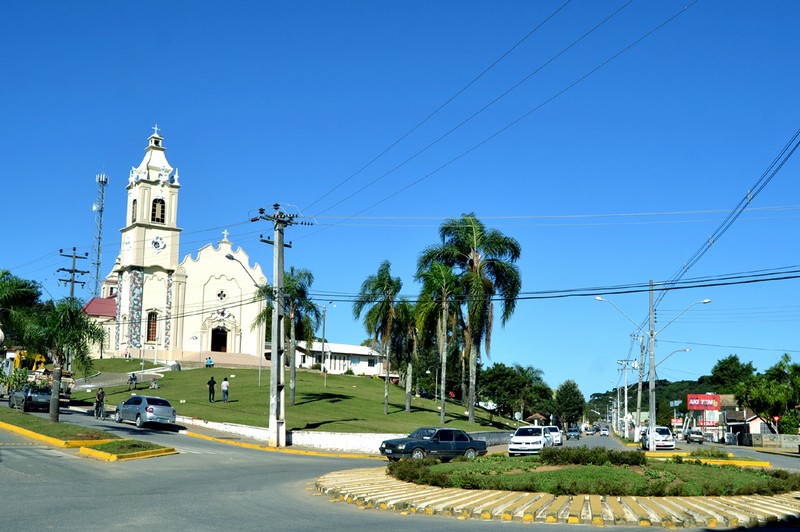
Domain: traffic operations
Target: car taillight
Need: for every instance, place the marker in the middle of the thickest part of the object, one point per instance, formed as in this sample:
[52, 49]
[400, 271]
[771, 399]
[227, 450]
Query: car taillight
[150, 409]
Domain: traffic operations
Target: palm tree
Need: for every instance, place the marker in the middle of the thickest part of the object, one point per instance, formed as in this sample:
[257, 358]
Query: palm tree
[63, 329]
[303, 315]
[377, 300]
[15, 293]
[485, 259]
[439, 286]
[406, 345]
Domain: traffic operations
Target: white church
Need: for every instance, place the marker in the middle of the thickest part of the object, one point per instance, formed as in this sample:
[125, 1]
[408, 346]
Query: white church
[152, 306]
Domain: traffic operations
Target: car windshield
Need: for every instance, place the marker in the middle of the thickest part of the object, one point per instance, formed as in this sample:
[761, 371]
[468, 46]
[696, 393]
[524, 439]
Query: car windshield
[529, 431]
[422, 434]
[663, 431]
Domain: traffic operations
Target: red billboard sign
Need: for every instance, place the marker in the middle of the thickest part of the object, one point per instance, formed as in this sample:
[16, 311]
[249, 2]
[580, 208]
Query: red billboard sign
[704, 423]
[704, 401]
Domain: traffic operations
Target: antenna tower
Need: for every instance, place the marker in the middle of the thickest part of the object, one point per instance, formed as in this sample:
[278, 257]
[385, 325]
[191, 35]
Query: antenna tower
[102, 181]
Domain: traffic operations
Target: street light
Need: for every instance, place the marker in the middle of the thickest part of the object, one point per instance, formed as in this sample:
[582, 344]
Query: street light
[325, 360]
[435, 383]
[651, 334]
[684, 350]
[260, 345]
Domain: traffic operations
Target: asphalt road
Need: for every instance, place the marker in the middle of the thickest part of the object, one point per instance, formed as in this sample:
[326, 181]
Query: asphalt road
[208, 486]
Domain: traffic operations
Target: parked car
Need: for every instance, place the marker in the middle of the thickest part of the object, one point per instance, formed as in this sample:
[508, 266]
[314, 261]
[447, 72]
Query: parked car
[573, 433]
[143, 409]
[604, 431]
[555, 434]
[529, 440]
[433, 442]
[30, 397]
[663, 438]
[694, 436]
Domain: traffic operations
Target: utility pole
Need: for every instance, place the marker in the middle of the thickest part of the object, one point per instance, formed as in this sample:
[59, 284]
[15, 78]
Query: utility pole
[624, 364]
[639, 391]
[652, 375]
[72, 272]
[277, 378]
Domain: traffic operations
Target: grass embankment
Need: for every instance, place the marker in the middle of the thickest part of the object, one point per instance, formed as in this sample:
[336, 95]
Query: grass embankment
[346, 404]
[43, 426]
[581, 470]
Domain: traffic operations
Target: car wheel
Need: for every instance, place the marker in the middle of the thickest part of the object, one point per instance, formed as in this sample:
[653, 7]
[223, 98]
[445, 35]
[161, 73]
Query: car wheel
[25, 406]
[470, 454]
[511, 455]
[117, 417]
[139, 422]
[417, 454]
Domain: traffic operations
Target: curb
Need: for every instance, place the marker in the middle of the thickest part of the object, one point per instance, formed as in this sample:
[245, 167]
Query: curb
[85, 446]
[108, 457]
[285, 450]
[374, 488]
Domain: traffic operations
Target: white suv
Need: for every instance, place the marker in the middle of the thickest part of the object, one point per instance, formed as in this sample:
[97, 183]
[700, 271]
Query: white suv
[555, 434]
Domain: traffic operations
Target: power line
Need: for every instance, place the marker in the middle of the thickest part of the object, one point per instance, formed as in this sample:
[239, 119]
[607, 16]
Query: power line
[435, 111]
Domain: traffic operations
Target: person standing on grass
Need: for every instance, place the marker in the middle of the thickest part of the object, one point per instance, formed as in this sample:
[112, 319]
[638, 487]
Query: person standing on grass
[212, 385]
[224, 388]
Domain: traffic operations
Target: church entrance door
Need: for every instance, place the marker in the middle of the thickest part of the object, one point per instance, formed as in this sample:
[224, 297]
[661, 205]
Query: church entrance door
[219, 340]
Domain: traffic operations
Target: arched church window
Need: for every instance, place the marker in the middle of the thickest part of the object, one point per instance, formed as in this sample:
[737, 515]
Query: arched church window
[158, 213]
[133, 211]
[152, 326]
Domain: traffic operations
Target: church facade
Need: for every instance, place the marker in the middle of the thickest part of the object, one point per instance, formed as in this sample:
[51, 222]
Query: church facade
[170, 310]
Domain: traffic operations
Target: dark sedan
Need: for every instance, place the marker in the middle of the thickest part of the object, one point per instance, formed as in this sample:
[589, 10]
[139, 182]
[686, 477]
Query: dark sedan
[30, 397]
[435, 443]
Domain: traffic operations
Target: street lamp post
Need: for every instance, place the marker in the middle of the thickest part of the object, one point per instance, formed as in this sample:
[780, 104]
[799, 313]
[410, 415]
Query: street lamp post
[259, 333]
[435, 383]
[651, 334]
[325, 360]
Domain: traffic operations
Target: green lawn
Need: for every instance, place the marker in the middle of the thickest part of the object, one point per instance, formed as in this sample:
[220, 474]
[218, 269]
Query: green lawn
[60, 431]
[346, 404]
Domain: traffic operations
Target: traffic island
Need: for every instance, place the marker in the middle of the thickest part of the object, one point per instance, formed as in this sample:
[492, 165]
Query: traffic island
[374, 488]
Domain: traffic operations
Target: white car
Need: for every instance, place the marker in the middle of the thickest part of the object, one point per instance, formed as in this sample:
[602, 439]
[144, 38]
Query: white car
[555, 434]
[604, 431]
[529, 440]
[663, 438]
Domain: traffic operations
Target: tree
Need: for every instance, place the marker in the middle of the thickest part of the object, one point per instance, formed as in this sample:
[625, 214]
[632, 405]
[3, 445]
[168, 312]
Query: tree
[569, 402]
[535, 393]
[484, 258]
[776, 392]
[728, 372]
[377, 301]
[302, 314]
[62, 330]
[15, 294]
[436, 299]
[405, 343]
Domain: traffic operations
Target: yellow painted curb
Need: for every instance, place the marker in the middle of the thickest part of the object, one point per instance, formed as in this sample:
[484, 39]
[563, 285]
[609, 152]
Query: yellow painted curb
[258, 447]
[109, 457]
[47, 439]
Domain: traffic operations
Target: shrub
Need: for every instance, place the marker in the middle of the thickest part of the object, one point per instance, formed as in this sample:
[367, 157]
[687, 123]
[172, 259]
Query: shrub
[591, 456]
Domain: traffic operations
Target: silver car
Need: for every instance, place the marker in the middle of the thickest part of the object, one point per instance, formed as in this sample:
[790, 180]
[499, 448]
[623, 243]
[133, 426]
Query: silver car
[143, 409]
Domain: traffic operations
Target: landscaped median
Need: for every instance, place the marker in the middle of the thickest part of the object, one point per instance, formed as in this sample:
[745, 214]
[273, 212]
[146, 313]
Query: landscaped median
[93, 443]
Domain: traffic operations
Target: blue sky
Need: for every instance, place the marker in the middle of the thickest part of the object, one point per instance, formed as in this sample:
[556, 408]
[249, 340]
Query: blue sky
[609, 168]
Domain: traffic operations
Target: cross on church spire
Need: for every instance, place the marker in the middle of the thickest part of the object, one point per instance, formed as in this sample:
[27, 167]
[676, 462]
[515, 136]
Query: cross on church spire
[225, 234]
[155, 129]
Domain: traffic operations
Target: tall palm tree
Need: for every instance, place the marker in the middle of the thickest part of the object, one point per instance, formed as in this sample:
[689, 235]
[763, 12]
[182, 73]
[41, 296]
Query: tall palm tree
[406, 345]
[15, 293]
[485, 260]
[63, 329]
[377, 301]
[302, 314]
[437, 297]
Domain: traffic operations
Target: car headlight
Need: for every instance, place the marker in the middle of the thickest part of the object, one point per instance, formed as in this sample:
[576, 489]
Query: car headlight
[401, 446]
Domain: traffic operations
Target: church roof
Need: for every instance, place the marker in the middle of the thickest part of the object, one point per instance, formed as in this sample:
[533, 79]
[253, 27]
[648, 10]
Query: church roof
[101, 306]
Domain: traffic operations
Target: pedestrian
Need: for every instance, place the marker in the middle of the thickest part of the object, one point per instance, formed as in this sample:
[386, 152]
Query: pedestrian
[224, 387]
[212, 385]
[99, 401]
[132, 381]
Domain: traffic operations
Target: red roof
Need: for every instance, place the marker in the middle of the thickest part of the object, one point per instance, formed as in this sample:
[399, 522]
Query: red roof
[101, 306]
